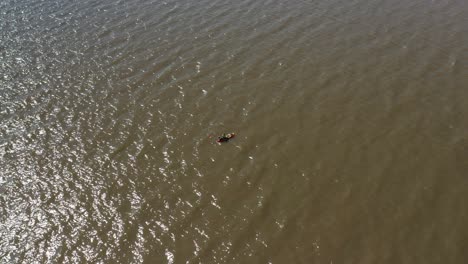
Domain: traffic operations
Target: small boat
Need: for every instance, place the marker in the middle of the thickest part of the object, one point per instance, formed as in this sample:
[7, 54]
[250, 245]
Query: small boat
[225, 137]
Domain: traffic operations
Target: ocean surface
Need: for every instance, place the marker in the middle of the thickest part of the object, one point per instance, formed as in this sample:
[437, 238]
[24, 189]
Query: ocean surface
[351, 122]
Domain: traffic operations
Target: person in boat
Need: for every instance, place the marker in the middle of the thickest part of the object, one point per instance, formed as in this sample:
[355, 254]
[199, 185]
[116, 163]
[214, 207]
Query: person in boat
[225, 137]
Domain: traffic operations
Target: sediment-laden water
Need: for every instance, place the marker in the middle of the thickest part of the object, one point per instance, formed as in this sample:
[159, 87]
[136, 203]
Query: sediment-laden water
[350, 118]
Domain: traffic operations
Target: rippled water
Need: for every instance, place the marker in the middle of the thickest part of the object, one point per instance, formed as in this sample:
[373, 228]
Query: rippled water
[350, 117]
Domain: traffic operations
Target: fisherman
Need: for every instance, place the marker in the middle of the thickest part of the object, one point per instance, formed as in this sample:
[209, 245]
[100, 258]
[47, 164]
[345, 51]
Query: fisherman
[225, 137]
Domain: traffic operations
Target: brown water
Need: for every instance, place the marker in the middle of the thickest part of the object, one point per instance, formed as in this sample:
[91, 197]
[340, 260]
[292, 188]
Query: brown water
[351, 122]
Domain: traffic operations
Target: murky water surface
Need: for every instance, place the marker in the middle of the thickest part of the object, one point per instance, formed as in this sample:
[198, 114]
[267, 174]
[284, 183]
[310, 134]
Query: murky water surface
[350, 116]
